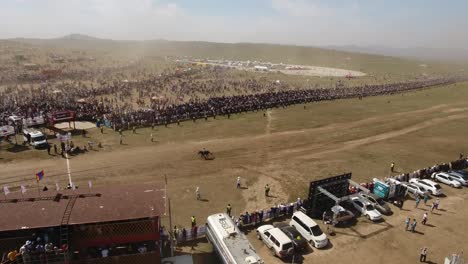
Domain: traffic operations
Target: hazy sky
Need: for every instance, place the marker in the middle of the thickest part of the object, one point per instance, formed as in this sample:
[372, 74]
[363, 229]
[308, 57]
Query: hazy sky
[396, 23]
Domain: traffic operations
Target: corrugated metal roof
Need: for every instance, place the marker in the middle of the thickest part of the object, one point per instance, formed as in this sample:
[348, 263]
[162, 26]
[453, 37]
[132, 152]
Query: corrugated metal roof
[91, 206]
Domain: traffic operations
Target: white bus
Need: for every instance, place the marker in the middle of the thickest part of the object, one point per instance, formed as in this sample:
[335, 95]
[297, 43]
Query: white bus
[230, 243]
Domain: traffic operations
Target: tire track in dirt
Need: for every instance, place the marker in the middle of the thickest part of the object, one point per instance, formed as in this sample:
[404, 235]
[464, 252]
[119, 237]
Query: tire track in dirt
[376, 138]
[322, 129]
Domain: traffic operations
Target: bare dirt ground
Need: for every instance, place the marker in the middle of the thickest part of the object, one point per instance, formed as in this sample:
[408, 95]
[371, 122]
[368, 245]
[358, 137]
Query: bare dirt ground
[286, 148]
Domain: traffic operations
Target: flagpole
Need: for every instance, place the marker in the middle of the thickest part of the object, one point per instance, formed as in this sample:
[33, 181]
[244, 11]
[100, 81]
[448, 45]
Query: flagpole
[38, 189]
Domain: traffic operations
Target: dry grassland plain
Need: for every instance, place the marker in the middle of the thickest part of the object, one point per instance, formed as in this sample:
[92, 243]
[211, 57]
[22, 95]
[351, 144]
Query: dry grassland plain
[287, 148]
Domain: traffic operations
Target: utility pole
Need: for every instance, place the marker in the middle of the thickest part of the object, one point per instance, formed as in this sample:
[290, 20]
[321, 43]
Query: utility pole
[170, 229]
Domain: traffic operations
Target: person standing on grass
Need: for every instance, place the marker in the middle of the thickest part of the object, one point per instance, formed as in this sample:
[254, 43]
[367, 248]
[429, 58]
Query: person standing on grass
[238, 182]
[407, 223]
[424, 220]
[422, 258]
[417, 201]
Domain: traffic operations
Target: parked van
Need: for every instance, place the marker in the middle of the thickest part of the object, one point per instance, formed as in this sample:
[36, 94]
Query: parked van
[309, 229]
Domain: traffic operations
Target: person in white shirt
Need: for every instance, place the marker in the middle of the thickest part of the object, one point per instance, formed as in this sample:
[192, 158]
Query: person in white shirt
[238, 182]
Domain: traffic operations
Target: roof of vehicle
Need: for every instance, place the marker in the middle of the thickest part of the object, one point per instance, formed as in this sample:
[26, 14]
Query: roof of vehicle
[264, 228]
[304, 218]
[373, 195]
[279, 235]
[237, 243]
[32, 131]
[428, 181]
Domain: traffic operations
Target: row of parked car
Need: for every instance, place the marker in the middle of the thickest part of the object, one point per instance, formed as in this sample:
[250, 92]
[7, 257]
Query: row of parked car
[421, 187]
[284, 239]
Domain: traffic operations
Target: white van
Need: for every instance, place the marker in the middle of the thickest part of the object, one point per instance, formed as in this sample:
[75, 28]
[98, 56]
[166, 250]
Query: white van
[309, 229]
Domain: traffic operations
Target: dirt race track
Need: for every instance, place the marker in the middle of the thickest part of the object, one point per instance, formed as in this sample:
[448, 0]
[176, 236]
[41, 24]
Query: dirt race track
[287, 148]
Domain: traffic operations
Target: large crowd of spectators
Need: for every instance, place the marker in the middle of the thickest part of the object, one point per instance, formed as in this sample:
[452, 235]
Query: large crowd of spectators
[177, 95]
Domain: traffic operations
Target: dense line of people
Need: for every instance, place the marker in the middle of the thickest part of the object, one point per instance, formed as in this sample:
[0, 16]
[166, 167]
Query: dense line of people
[124, 104]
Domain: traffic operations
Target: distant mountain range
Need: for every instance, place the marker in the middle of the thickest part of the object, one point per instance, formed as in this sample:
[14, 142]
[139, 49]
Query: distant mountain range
[452, 55]
[457, 55]
[79, 37]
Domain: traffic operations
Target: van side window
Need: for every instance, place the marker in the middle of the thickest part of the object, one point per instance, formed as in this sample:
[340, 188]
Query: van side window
[306, 228]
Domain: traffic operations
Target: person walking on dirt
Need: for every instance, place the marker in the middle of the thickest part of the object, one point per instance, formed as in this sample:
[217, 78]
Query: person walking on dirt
[424, 220]
[238, 182]
[422, 258]
[418, 200]
[437, 203]
[48, 148]
[433, 206]
[55, 149]
[228, 210]
[426, 198]
[392, 167]
[267, 190]
[193, 220]
[197, 193]
[151, 136]
[134, 130]
[121, 139]
[102, 130]
[407, 223]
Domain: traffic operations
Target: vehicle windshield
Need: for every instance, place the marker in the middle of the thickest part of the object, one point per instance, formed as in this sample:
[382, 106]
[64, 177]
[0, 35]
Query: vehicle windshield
[287, 246]
[437, 186]
[39, 138]
[316, 231]
[369, 207]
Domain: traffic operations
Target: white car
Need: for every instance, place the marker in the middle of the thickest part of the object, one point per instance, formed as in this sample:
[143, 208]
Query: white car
[276, 240]
[366, 208]
[444, 177]
[429, 185]
[460, 176]
[415, 189]
[309, 229]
